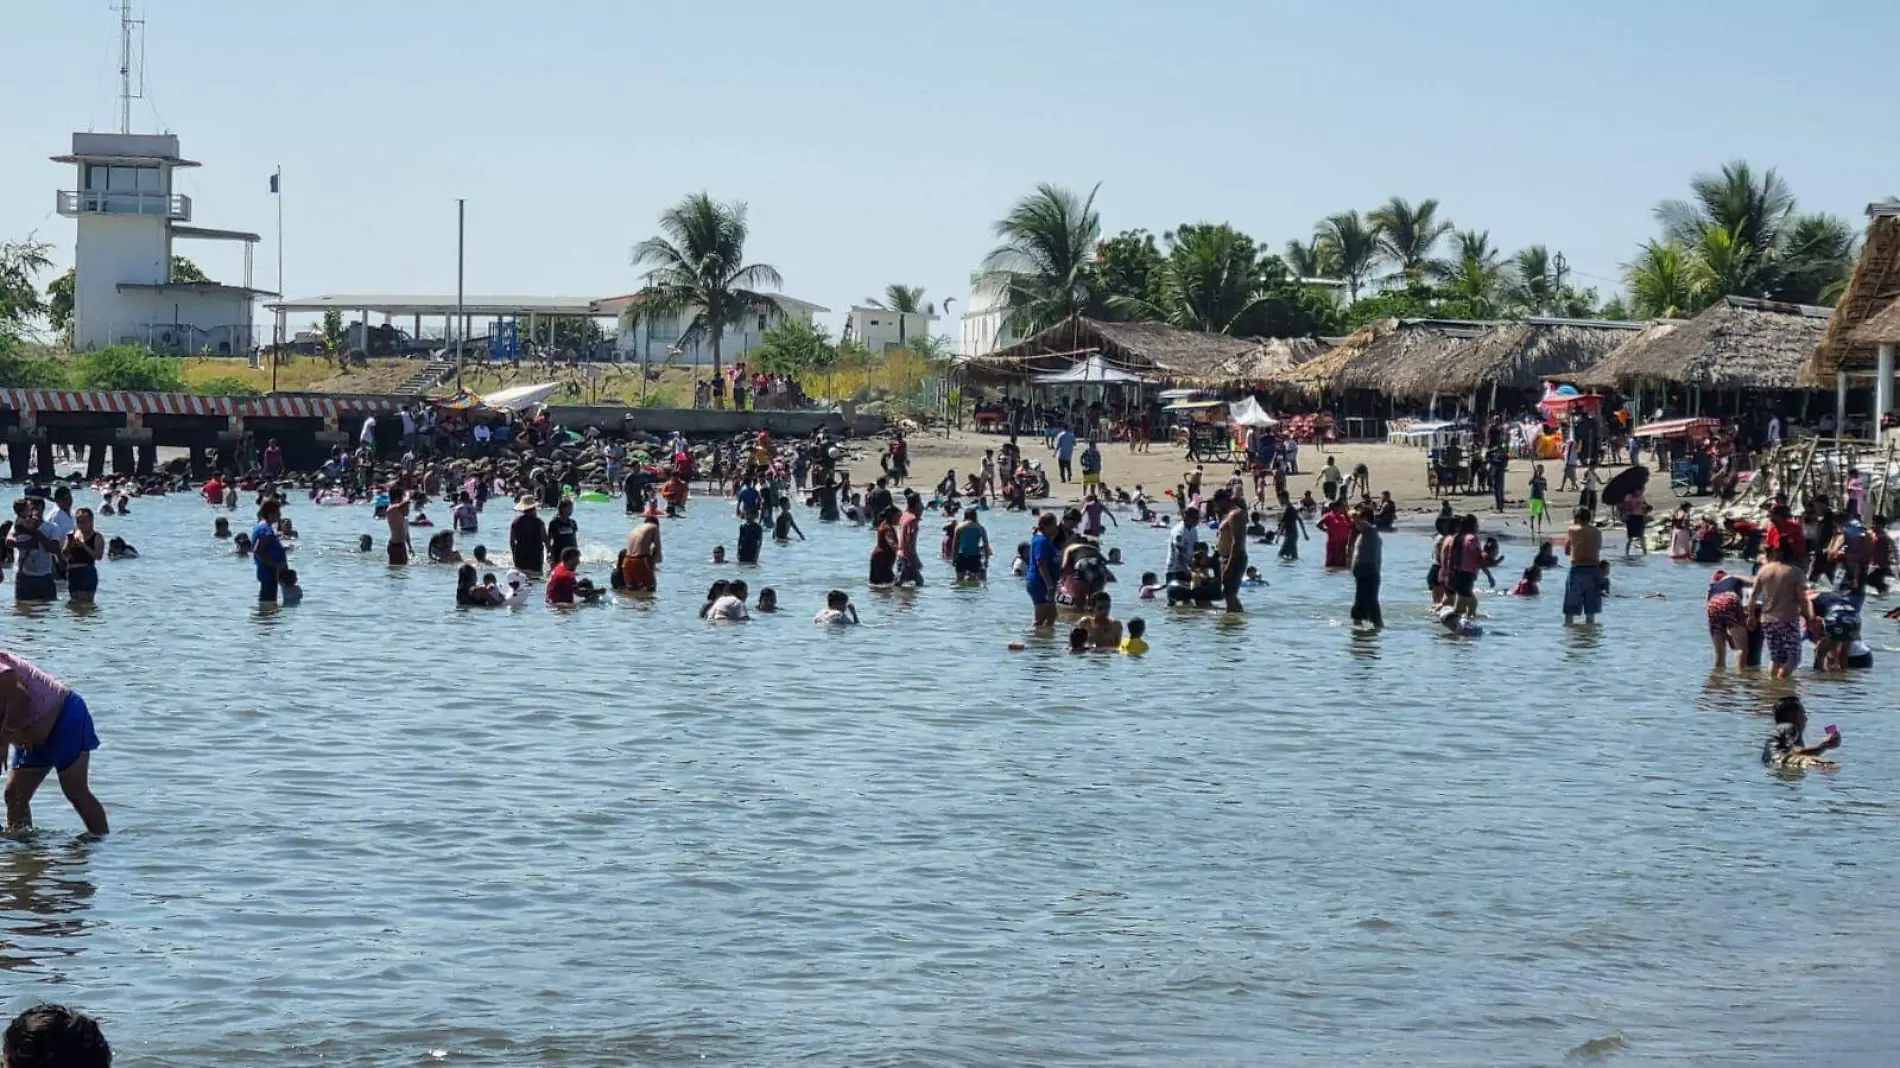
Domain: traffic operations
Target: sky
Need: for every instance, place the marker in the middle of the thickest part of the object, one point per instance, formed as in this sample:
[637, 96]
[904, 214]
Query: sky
[878, 142]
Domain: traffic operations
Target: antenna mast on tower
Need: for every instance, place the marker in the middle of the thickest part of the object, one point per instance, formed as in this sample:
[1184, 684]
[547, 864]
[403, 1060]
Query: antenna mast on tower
[126, 95]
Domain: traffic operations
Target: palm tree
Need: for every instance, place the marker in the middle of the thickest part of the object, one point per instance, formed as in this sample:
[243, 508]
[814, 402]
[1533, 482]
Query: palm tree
[1533, 282]
[1210, 281]
[1817, 253]
[1475, 276]
[1661, 282]
[906, 301]
[1722, 263]
[1313, 259]
[1408, 236]
[697, 264]
[1352, 246]
[1042, 268]
[1751, 210]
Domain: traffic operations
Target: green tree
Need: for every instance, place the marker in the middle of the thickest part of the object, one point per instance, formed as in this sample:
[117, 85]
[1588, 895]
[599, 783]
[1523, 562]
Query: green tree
[20, 302]
[332, 329]
[1043, 268]
[183, 270]
[794, 346]
[1210, 281]
[1817, 254]
[1408, 236]
[1747, 238]
[59, 304]
[697, 265]
[1352, 246]
[906, 301]
[127, 367]
[1661, 282]
[1126, 266]
[1314, 259]
[1614, 309]
[1534, 285]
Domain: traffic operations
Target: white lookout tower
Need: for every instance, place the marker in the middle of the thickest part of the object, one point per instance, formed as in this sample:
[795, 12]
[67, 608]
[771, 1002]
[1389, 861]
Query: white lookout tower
[128, 217]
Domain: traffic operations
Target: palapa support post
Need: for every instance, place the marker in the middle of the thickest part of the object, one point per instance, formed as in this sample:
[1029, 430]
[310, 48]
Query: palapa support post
[148, 459]
[95, 461]
[122, 460]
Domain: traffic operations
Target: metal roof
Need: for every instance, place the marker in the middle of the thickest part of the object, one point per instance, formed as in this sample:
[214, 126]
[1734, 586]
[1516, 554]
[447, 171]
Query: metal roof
[210, 234]
[613, 306]
[430, 304]
[195, 287]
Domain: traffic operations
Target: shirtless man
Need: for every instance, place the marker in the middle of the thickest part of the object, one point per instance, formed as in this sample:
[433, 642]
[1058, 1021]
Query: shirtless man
[398, 517]
[1583, 589]
[641, 569]
[1781, 601]
[1230, 544]
[1105, 631]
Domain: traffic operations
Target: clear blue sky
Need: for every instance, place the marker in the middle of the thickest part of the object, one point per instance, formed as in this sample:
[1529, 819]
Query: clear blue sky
[876, 142]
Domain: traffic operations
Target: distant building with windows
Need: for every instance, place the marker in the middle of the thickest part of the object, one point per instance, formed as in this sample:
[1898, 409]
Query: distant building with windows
[985, 328]
[879, 329]
[128, 218]
[658, 341]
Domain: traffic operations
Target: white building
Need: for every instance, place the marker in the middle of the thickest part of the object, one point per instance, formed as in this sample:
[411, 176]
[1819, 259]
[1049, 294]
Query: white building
[879, 329]
[128, 217]
[659, 342]
[984, 327]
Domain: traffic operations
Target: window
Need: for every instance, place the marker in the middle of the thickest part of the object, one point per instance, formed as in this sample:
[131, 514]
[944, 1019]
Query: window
[663, 329]
[761, 322]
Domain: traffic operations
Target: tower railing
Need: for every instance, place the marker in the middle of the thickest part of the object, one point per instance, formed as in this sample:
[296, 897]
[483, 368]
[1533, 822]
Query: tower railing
[174, 206]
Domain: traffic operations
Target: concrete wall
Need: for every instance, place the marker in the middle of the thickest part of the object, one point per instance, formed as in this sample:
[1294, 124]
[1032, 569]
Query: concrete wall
[737, 340]
[706, 422]
[982, 330]
[878, 329]
[113, 249]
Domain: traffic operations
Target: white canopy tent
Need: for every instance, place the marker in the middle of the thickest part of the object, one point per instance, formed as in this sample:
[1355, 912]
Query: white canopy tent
[1093, 371]
[1247, 412]
[519, 398]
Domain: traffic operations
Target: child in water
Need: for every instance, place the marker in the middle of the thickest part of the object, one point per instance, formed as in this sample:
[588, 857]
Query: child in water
[768, 600]
[838, 611]
[1150, 585]
[1490, 559]
[1785, 747]
[1079, 640]
[1251, 577]
[1527, 583]
[1546, 556]
[1135, 644]
[288, 592]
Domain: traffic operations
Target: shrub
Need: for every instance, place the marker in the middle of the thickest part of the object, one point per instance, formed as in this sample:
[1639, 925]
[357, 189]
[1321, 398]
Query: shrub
[127, 367]
[226, 386]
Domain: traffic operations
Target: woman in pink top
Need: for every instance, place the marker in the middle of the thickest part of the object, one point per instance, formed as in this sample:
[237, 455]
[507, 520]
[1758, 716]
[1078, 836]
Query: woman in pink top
[50, 729]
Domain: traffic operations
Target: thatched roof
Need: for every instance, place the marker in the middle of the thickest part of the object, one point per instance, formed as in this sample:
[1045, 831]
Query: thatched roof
[1873, 291]
[1738, 343]
[1153, 349]
[1882, 329]
[1512, 356]
[1378, 354]
[1265, 359]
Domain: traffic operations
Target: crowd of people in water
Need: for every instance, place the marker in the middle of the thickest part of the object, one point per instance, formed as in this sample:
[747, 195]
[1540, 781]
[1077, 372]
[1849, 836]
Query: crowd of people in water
[1789, 583]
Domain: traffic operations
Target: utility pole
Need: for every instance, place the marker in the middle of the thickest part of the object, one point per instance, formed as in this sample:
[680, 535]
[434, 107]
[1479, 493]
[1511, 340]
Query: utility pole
[277, 354]
[461, 322]
[126, 96]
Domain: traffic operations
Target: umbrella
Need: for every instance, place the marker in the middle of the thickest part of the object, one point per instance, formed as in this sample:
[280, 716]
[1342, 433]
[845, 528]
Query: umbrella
[1623, 485]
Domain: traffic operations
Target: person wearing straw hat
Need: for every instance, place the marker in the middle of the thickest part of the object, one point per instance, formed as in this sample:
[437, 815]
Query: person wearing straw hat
[641, 565]
[527, 536]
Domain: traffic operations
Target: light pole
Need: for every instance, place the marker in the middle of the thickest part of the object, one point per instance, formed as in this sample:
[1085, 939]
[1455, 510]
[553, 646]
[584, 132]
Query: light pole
[461, 323]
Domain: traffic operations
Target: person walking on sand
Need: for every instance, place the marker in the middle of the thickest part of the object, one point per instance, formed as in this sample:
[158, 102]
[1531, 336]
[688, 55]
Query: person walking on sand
[49, 730]
[1065, 454]
[1583, 587]
[1535, 501]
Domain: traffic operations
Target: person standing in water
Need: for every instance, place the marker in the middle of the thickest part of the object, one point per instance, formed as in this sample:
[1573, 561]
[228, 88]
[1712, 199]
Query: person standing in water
[397, 514]
[1092, 471]
[1780, 603]
[563, 533]
[49, 730]
[527, 537]
[640, 569]
[1039, 578]
[1367, 553]
[85, 547]
[267, 550]
[1583, 587]
[970, 546]
[1230, 544]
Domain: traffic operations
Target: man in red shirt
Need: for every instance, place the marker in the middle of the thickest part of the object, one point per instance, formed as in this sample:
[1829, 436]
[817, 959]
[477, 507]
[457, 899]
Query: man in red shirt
[1784, 533]
[562, 580]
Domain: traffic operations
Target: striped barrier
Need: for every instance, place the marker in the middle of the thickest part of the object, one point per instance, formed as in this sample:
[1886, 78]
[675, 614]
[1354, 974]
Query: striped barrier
[328, 407]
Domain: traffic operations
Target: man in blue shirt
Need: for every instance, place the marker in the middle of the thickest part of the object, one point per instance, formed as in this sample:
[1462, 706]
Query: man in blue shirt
[749, 502]
[1039, 578]
[1065, 453]
[268, 551]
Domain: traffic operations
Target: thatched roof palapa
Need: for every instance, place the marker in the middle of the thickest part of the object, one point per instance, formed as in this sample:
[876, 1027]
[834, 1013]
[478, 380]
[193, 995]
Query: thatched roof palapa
[1266, 359]
[1866, 315]
[1738, 343]
[1155, 350]
[1379, 354]
[1513, 356]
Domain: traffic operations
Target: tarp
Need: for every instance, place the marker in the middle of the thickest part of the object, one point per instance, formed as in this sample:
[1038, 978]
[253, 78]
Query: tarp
[1093, 371]
[518, 398]
[1247, 412]
[1558, 402]
[1190, 406]
[1672, 428]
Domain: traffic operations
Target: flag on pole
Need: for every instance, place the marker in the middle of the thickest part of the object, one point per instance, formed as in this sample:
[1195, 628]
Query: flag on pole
[274, 180]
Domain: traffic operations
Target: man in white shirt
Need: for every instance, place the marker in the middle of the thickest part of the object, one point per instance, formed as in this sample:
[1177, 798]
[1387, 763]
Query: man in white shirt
[1181, 541]
[59, 520]
[1774, 431]
[482, 433]
[408, 424]
[367, 438]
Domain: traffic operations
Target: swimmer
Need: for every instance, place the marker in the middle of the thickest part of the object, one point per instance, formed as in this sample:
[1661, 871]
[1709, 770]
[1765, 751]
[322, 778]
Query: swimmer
[221, 528]
[442, 548]
[50, 730]
[768, 601]
[1150, 585]
[1079, 640]
[288, 592]
[364, 543]
[120, 549]
[1105, 631]
[241, 544]
[1456, 622]
[1527, 583]
[719, 554]
[1785, 747]
[838, 611]
[729, 606]
[1136, 643]
[285, 529]
[1251, 577]
[1546, 557]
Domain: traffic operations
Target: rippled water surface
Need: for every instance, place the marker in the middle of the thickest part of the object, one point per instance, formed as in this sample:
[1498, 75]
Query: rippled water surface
[378, 830]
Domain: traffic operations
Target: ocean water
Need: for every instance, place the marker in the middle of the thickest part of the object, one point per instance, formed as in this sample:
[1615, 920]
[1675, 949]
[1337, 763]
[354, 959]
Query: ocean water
[378, 830]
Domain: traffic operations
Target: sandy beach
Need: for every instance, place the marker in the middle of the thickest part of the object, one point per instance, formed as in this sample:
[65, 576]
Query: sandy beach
[1396, 468]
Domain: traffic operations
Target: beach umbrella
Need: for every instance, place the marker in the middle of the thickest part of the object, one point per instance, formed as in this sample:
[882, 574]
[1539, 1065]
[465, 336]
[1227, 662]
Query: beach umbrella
[1624, 484]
